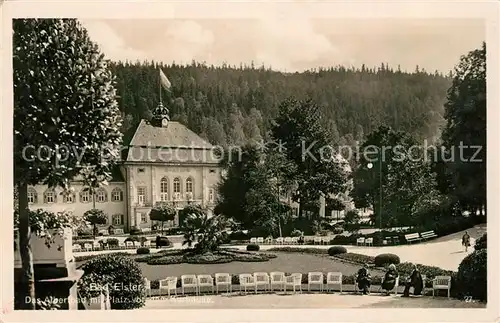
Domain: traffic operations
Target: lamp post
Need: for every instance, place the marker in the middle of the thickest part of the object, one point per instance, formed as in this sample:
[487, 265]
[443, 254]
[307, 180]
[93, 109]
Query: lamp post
[370, 166]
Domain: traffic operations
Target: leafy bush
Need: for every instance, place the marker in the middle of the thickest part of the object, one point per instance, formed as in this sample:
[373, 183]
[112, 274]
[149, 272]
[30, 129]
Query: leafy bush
[386, 258]
[112, 242]
[253, 247]
[480, 243]
[109, 271]
[471, 277]
[135, 231]
[142, 251]
[87, 257]
[356, 257]
[162, 242]
[132, 238]
[345, 240]
[296, 233]
[336, 250]
[238, 235]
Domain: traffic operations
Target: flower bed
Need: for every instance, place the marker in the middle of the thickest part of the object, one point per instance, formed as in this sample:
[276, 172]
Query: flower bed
[356, 258]
[300, 250]
[218, 257]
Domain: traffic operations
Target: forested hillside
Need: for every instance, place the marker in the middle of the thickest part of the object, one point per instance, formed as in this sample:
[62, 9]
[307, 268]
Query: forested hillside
[232, 105]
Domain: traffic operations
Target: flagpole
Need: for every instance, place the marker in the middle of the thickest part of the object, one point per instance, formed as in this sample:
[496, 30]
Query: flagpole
[159, 83]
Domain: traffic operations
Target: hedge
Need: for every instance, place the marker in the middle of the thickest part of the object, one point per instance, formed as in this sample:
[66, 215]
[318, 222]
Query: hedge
[336, 250]
[386, 259]
[472, 276]
[253, 247]
[480, 243]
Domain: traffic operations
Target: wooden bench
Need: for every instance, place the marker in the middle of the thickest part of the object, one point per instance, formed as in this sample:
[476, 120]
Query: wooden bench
[428, 235]
[412, 237]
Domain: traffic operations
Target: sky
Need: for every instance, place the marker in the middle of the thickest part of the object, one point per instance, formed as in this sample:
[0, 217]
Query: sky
[292, 45]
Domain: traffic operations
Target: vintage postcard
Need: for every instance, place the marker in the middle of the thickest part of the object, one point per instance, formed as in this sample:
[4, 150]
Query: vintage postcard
[283, 161]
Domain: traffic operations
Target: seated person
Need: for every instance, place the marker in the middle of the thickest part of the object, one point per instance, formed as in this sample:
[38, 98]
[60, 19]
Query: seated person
[363, 279]
[390, 278]
[414, 281]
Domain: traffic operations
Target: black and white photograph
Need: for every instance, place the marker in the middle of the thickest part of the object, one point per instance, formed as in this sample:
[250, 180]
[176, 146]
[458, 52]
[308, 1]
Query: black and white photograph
[266, 162]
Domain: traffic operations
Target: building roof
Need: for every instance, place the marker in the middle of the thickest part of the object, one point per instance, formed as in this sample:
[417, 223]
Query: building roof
[174, 143]
[174, 135]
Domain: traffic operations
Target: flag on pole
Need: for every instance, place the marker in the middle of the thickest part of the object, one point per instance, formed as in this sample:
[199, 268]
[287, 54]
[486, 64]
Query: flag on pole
[164, 81]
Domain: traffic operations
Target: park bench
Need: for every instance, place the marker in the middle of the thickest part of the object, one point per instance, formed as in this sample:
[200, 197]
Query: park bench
[412, 237]
[428, 235]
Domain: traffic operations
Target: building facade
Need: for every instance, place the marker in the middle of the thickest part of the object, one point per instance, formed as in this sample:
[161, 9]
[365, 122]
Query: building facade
[165, 163]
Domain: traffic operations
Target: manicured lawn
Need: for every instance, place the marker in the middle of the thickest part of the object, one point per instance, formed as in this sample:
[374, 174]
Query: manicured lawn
[286, 262]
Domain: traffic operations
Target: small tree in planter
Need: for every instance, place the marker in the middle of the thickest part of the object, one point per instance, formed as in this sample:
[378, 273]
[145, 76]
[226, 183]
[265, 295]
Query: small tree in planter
[162, 212]
[95, 217]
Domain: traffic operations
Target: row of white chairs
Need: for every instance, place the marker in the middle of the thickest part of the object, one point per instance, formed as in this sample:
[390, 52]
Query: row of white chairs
[364, 241]
[289, 240]
[271, 281]
[121, 245]
[266, 281]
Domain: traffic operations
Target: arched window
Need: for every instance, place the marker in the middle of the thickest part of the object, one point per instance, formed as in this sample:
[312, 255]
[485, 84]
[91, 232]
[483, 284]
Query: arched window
[68, 197]
[177, 185]
[117, 195]
[189, 185]
[85, 196]
[32, 196]
[164, 189]
[50, 196]
[101, 195]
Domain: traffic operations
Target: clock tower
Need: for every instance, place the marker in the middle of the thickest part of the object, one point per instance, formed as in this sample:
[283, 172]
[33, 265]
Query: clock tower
[160, 116]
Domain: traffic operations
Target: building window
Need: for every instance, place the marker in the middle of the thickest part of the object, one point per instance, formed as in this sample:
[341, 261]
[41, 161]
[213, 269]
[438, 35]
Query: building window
[141, 170]
[50, 196]
[189, 185]
[32, 196]
[117, 195]
[69, 197]
[141, 195]
[101, 195]
[117, 219]
[177, 185]
[85, 196]
[144, 218]
[212, 171]
[164, 189]
[211, 194]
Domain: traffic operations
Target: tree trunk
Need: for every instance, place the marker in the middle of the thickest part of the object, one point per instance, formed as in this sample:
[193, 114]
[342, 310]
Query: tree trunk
[28, 276]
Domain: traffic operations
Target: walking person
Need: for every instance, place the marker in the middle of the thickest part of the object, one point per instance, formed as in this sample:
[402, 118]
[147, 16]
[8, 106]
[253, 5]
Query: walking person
[466, 240]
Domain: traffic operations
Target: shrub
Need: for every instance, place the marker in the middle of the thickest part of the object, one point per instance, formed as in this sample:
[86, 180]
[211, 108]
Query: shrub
[336, 250]
[162, 241]
[142, 251]
[238, 235]
[471, 277]
[480, 243]
[112, 242]
[114, 270]
[135, 231]
[386, 259]
[132, 238]
[253, 247]
[296, 233]
[345, 240]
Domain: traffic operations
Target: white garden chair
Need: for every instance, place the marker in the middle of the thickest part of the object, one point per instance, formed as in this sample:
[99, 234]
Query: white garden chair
[279, 240]
[137, 244]
[253, 240]
[261, 279]
[441, 282]
[277, 278]
[268, 240]
[333, 278]
[205, 281]
[295, 240]
[288, 240]
[260, 240]
[294, 280]
[315, 278]
[317, 240]
[87, 246]
[325, 240]
[77, 247]
[360, 241]
[129, 244]
[121, 245]
[223, 279]
[147, 243]
[96, 245]
[246, 281]
[369, 242]
[169, 284]
[147, 287]
[189, 281]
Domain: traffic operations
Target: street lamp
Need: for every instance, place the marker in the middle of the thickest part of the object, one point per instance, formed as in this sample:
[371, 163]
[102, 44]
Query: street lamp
[370, 166]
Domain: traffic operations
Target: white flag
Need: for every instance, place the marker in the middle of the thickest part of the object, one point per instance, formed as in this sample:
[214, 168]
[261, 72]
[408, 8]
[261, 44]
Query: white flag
[164, 81]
